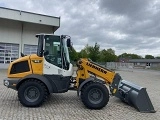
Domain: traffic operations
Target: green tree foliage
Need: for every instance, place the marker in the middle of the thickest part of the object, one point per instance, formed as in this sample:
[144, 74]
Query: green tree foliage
[84, 52]
[129, 56]
[149, 57]
[93, 52]
[97, 55]
[111, 51]
[158, 57]
[73, 54]
[107, 56]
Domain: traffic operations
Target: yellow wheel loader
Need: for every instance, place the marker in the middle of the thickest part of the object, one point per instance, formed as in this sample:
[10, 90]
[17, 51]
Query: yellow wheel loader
[50, 71]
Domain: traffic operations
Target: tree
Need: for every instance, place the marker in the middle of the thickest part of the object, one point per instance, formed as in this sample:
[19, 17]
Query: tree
[73, 54]
[149, 57]
[129, 56]
[91, 52]
[94, 52]
[107, 55]
[84, 52]
[111, 51]
[158, 57]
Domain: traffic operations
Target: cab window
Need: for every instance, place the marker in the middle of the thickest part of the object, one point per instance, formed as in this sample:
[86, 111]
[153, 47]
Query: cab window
[52, 52]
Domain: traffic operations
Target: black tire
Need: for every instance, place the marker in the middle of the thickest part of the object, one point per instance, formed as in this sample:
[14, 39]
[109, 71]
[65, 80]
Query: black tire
[32, 93]
[94, 95]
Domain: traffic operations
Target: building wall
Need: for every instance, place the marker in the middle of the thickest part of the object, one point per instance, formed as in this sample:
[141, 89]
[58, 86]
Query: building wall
[10, 31]
[155, 65]
[16, 33]
[147, 65]
[121, 65]
[30, 30]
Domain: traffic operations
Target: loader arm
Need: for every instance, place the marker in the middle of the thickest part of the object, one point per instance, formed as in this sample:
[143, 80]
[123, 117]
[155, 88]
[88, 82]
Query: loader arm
[87, 67]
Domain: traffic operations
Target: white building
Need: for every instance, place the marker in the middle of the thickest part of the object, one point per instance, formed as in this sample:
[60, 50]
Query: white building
[18, 30]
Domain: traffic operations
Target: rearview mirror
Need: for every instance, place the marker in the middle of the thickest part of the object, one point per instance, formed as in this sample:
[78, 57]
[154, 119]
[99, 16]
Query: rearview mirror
[68, 42]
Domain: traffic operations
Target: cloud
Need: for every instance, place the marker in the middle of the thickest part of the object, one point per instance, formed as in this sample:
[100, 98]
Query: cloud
[2, 4]
[130, 8]
[124, 25]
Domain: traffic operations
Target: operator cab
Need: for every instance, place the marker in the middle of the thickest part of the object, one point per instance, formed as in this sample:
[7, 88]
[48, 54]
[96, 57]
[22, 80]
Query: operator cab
[54, 49]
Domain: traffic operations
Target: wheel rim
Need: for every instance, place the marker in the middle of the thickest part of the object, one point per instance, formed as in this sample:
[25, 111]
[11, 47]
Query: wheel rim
[95, 96]
[31, 94]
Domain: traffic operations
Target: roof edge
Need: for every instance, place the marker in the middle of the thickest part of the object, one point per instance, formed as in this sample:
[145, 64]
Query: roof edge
[29, 12]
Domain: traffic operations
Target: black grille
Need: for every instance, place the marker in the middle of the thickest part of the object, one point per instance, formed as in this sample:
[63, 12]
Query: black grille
[20, 67]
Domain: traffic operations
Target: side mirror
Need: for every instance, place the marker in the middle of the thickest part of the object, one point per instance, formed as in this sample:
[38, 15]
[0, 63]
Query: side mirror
[68, 42]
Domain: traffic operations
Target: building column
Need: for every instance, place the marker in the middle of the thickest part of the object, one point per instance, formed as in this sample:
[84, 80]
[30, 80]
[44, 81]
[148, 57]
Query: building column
[21, 43]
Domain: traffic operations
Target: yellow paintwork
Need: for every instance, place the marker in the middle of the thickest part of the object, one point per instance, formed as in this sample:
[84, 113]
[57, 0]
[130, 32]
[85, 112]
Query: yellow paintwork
[35, 68]
[83, 74]
[84, 69]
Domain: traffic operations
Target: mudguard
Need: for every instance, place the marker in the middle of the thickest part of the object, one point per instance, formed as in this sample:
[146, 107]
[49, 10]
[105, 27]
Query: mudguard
[51, 86]
[90, 79]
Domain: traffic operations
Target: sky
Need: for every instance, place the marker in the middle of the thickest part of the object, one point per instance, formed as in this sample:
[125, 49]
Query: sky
[131, 26]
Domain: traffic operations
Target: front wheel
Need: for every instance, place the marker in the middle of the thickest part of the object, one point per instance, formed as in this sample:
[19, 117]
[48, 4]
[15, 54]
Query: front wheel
[95, 95]
[32, 93]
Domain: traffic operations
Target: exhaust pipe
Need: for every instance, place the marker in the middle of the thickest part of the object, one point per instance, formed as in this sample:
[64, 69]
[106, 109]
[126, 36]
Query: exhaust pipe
[133, 95]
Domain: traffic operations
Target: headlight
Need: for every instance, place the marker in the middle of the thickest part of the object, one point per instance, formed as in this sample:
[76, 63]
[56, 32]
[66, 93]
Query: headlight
[6, 83]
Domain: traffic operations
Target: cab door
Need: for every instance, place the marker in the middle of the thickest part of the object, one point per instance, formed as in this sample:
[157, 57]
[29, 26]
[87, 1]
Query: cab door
[52, 55]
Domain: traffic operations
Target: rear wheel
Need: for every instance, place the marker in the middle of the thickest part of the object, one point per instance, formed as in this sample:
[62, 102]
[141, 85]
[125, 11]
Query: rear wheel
[95, 95]
[32, 93]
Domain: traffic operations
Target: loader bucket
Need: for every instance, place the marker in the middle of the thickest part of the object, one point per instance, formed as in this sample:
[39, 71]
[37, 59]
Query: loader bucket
[135, 96]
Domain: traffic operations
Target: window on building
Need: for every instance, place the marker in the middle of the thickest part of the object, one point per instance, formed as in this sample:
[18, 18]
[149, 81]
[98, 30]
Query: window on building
[8, 52]
[30, 49]
[148, 64]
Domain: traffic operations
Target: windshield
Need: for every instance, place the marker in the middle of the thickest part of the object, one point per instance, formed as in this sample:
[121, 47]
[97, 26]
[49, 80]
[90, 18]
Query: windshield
[66, 50]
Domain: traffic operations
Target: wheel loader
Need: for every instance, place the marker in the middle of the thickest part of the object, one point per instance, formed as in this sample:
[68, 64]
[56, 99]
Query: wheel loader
[36, 76]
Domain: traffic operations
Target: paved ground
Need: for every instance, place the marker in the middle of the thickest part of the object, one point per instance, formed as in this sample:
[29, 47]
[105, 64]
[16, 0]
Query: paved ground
[67, 106]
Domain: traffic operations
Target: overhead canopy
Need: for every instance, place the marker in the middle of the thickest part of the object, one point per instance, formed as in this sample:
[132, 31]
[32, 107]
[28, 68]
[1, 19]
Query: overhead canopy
[29, 17]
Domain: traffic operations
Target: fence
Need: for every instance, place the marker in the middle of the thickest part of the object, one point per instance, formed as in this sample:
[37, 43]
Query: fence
[117, 65]
[114, 65]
